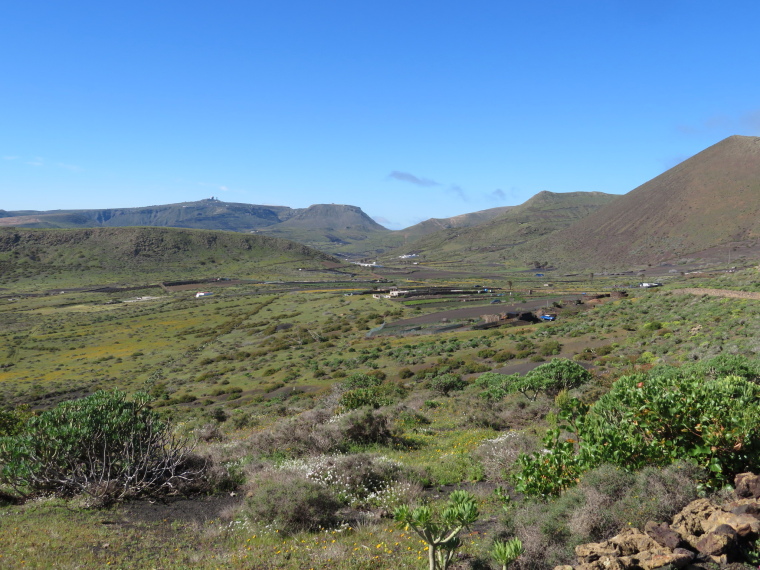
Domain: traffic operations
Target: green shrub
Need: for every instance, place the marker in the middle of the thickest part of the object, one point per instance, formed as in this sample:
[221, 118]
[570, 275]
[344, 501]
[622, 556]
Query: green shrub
[361, 381]
[496, 385]
[559, 374]
[446, 383]
[103, 445]
[505, 355]
[654, 419]
[376, 396]
[552, 377]
[727, 365]
[549, 348]
[474, 367]
[652, 326]
[12, 421]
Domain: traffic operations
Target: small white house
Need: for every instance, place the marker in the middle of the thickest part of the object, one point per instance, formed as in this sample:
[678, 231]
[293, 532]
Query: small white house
[203, 294]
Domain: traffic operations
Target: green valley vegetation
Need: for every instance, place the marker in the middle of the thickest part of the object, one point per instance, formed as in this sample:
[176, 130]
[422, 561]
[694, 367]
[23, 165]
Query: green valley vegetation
[275, 432]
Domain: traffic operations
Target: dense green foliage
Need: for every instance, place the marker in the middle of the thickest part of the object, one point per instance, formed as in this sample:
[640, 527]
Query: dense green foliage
[553, 377]
[657, 418]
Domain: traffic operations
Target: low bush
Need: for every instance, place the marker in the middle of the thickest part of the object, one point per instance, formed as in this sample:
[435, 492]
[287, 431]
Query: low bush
[366, 428]
[291, 503]
[550, 348]
[446, 383]
[104, 445]
[607, 500]
[498, 456]
[359, 480]
[474, 367]
[318, 432]
[504, 356]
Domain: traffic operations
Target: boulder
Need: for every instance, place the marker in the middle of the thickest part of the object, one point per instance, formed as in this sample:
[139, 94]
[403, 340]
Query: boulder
[594, 551]
[632, 541]
[628, 543]
[677, 558]
[746, 526]
[663, 535]
[747, 485]
[745, 507]
[719, 544]
[689, 522]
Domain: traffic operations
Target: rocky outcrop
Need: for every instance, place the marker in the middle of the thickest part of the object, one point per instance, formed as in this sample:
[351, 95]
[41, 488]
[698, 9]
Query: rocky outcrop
[702, 532]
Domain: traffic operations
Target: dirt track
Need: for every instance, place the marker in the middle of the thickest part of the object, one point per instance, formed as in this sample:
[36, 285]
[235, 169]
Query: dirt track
[718, 293]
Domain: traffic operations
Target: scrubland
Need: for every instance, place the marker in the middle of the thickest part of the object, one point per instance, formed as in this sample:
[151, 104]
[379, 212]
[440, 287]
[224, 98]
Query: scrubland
[311, 436]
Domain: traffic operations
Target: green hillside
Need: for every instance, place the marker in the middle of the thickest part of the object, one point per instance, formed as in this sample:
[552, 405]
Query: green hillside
[493, 241]
[61, 258]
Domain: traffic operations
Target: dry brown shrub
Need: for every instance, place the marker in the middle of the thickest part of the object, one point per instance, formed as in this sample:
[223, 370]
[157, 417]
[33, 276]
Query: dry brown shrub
[497, 456]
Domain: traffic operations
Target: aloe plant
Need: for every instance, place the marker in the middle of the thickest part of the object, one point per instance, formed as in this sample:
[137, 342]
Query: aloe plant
[440, 532]
[504, 552]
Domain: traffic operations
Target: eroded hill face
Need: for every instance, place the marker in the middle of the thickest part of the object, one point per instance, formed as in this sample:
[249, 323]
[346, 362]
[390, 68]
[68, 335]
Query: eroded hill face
[709, 200]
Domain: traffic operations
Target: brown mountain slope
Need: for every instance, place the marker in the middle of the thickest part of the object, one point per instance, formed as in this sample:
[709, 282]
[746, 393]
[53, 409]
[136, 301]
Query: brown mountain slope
[712, 198]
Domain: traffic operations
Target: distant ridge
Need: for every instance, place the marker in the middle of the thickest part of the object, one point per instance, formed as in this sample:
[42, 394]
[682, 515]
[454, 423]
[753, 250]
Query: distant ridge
[202, 214]
[710, 199]
[325, 226]
[495, 239]
[433, 225]
[336, 217]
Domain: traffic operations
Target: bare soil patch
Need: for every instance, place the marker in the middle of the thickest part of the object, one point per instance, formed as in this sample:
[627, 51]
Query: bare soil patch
[181, 509]
[726, 293]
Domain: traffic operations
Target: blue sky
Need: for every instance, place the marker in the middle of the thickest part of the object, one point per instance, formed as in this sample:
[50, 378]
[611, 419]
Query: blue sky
[409, 109]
